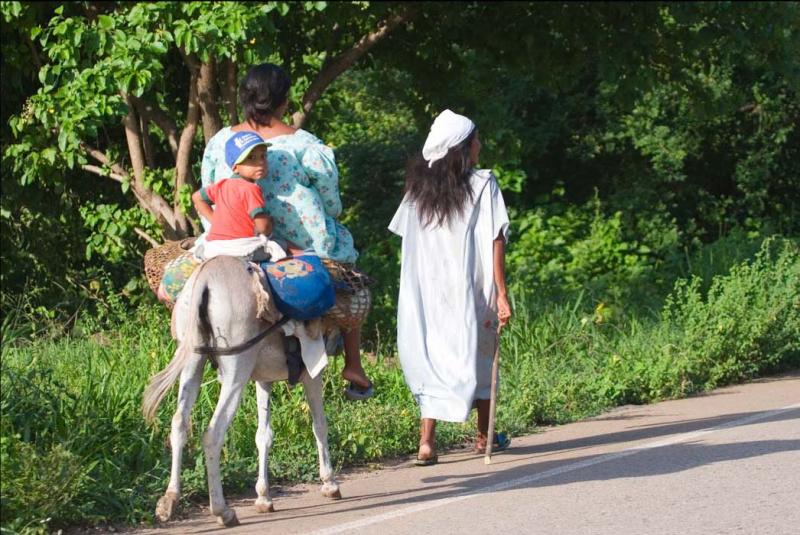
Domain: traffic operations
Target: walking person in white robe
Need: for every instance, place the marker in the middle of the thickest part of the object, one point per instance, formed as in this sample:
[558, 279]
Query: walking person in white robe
[454, 226]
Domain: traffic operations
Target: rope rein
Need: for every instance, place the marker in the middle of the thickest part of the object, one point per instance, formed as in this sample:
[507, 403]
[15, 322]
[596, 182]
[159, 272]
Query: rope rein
[220, 351]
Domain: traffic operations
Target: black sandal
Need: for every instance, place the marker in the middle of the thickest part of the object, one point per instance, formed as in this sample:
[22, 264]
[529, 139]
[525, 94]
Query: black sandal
[426, 462]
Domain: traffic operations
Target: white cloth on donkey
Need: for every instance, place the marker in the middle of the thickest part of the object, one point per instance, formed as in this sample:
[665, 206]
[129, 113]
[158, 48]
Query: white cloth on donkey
[240, 247]
[312, 344]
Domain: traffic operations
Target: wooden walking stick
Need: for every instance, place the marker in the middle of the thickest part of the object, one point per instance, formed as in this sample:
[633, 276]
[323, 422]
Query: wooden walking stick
[487, 459]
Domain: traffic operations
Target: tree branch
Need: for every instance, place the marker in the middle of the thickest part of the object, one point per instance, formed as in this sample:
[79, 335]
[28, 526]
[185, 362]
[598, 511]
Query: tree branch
[174, 222]
[101, 157]
[154, 114]
[134, 138]
[104, 173]
[146, 237]
[147, 142]
[183, 168]
[348, 58]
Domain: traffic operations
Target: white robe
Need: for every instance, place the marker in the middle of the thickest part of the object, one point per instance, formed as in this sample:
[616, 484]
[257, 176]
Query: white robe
[447, 317]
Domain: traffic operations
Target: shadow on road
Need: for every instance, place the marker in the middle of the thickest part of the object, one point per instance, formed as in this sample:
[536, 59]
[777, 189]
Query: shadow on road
[666, 459]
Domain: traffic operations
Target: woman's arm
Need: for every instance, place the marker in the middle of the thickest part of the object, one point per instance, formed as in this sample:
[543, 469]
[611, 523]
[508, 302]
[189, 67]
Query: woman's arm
[499, 257]
[319, 164]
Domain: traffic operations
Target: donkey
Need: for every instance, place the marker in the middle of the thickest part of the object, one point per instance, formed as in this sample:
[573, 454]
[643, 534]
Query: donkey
[224, 311]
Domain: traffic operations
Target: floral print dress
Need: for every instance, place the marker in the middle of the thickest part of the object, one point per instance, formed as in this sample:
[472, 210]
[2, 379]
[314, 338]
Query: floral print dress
[301, 191]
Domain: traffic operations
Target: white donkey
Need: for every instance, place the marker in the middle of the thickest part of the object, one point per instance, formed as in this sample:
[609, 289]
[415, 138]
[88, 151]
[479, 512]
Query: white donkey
[219, 313]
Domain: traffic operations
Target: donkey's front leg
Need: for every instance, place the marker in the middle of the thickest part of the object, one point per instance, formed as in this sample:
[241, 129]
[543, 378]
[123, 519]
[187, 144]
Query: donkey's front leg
[235, 371]
[313, 388]
[191, 376]
[264, 437]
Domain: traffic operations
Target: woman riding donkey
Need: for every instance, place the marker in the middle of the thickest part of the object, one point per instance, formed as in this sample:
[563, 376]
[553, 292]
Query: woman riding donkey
[454, 226]
[301, 190]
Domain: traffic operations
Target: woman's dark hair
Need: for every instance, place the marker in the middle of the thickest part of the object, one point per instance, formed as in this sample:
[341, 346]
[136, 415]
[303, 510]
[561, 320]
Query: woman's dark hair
[262, 90]
[442, 190]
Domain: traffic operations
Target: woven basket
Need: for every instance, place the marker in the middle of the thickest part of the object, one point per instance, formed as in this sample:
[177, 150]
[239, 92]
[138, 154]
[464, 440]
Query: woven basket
[157, 258]
[352, 302]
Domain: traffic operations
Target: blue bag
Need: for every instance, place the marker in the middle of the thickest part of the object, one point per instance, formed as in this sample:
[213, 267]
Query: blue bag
[301, 286]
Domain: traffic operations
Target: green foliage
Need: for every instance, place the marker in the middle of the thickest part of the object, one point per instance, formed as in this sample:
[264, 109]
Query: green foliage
[747, 322]
[71, 415]
[110, 225]
[611, 256]
[36, 486]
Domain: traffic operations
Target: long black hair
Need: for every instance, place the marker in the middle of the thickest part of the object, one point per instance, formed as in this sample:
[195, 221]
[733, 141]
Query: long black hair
[262, 91]
[441, 191]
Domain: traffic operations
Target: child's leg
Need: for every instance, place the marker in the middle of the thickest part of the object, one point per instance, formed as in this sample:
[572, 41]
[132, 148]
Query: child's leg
[427, 438]
[353, 371]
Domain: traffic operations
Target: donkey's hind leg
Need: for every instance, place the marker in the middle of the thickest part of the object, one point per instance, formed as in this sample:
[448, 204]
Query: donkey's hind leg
[313, 388]
[191, 376]
[264, 437]
[235, 372]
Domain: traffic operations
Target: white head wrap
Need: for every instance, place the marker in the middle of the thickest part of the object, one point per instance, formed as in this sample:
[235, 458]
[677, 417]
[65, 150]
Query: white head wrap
[448, 130]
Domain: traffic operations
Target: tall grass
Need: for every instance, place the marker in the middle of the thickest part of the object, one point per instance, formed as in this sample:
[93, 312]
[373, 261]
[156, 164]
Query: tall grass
[75, 449]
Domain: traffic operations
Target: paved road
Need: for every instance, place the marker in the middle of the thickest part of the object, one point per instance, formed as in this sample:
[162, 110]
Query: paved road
[724, 462]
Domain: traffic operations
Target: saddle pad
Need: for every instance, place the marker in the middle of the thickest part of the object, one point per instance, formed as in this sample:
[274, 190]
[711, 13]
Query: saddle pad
[301, 286]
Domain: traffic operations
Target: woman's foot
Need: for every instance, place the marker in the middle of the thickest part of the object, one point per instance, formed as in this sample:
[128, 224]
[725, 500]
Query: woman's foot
[426, 455]
[501, 442]
[359, 387]
[357, 377]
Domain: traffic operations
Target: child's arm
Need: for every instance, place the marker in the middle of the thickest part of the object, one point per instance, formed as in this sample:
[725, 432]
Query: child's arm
[202, 207]
[263, 224]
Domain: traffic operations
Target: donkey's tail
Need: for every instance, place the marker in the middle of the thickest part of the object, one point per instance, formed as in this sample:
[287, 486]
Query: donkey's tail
[161, 382]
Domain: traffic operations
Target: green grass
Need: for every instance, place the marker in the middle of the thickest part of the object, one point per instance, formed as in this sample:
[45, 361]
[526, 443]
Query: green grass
[75, 449]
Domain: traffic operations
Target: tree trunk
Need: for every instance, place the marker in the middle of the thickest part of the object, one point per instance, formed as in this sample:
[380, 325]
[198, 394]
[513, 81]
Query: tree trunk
[174, 223]
[183, 166]
[229, 90]
[207, 96]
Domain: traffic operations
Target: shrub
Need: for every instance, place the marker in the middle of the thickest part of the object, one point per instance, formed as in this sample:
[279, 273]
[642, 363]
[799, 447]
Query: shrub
[747, 323]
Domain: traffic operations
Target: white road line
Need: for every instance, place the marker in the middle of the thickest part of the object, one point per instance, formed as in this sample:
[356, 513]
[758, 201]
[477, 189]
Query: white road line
[357, 524]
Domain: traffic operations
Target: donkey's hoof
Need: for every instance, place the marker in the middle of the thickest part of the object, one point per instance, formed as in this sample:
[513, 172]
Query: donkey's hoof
[332, 492]
[263, 505]
[166, 506]
[228, 519]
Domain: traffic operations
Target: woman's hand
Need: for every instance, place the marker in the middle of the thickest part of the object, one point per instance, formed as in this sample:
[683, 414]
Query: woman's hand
[503, 309]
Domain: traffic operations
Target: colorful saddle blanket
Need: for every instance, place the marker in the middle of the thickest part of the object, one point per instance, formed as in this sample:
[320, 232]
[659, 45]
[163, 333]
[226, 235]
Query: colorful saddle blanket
[301, 286]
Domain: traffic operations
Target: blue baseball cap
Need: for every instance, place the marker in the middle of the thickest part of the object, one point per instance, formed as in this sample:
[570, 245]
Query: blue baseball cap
[239, 146]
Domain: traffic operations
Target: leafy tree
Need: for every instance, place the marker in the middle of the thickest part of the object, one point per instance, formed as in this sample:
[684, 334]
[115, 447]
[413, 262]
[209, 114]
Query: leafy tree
[167, 71]
[686, 107]
[680, 117]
